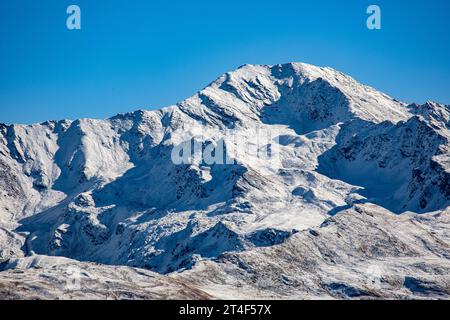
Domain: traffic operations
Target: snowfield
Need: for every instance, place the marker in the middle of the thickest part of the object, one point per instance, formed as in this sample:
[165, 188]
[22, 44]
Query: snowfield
[355, 206]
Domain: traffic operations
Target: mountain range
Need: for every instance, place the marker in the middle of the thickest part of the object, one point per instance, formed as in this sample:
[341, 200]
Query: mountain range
[356, 205]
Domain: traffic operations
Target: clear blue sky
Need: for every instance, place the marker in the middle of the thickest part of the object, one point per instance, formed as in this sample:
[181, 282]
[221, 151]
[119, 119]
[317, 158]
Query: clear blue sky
[148, 54]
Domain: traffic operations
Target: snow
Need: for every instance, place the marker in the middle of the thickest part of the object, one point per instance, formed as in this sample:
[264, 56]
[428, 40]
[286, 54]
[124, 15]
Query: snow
[107, 191]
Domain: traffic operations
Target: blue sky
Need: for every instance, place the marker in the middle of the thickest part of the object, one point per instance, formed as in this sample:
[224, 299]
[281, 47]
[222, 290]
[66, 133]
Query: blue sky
[149, 54]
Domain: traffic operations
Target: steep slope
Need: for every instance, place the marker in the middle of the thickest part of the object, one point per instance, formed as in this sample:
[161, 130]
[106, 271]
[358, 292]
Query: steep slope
[109, 191]
[402, 167]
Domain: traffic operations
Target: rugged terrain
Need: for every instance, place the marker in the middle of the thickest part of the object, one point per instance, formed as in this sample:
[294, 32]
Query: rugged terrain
[354, 204]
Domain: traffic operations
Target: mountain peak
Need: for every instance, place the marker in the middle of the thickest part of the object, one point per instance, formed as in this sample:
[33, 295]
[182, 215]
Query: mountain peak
[291, 93]
[109, 190]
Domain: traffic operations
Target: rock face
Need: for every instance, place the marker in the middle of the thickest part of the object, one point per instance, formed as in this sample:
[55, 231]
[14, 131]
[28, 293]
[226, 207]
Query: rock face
[109, 191]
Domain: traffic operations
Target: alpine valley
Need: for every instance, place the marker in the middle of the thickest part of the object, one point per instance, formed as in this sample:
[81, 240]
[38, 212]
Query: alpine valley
[358, 207]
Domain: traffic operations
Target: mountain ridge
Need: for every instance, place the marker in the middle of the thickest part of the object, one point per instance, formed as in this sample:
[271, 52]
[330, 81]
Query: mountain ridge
[107, 191]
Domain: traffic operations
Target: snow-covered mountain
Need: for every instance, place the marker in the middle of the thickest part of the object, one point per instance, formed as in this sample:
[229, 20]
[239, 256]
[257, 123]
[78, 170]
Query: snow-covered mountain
[108, 191]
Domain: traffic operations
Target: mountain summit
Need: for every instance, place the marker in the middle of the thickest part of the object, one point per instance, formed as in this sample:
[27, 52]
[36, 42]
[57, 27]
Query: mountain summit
[108, 191]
